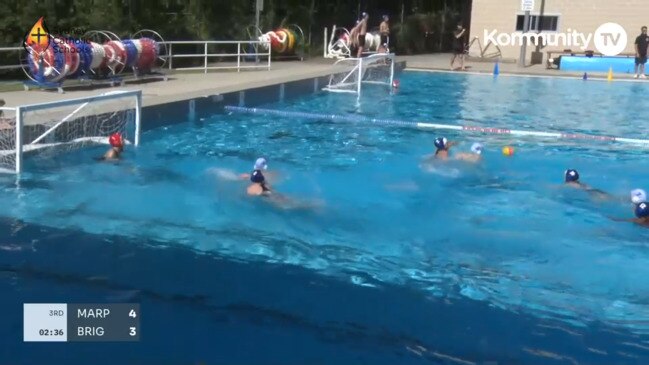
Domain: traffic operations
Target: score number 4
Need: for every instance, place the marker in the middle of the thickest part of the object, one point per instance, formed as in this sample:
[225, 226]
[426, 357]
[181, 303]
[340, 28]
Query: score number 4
[132, 330]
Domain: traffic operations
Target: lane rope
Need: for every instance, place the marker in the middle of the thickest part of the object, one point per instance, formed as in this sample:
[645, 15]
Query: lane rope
[426, 125]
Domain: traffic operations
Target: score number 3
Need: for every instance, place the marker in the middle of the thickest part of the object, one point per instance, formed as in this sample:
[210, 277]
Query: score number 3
[132, 330]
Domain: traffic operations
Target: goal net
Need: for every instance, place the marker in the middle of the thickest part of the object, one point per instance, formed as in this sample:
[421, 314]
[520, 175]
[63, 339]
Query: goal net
[68, 124]
[350, 74]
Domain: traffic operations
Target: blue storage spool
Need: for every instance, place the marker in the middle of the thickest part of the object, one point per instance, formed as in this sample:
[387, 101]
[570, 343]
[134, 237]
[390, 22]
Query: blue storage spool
[131, 52]
[85, 58]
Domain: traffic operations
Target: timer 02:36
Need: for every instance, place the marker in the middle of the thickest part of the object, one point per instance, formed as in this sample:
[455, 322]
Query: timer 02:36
[46, 332]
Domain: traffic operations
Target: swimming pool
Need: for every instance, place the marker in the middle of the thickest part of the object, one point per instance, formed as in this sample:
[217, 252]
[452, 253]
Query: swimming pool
[493, 262]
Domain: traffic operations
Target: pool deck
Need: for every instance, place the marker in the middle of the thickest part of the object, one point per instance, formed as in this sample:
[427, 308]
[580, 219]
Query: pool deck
[440, 62]
[184, 86]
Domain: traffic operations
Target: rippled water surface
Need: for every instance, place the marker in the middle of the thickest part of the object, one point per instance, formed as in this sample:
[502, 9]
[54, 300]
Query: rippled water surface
[503, 233]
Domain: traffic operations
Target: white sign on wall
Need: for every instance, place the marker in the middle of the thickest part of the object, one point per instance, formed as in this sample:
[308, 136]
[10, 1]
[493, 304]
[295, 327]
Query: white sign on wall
[527, 5]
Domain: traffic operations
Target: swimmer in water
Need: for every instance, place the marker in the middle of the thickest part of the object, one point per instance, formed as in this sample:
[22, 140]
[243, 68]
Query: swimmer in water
[258, 184]
[260, 165]
[443, 147]
[571, 177]
[638, 196]
[259, 187]
[117, 147]
[474, 156]
[641, 215]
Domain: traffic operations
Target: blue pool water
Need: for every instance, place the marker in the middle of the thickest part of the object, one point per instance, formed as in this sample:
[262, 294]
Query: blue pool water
[488, 263]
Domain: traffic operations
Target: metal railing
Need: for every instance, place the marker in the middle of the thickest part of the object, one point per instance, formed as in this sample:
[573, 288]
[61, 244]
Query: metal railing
[11, 49]
[206, 55]
[482, 51]
[262, 58]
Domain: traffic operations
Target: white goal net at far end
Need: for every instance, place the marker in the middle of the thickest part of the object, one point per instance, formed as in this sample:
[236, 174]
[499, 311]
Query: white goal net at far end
[349, 74]
[67, 124]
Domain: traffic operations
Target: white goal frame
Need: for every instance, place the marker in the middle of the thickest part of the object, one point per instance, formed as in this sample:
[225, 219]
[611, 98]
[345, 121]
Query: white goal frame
[358, 70]
[20, 111]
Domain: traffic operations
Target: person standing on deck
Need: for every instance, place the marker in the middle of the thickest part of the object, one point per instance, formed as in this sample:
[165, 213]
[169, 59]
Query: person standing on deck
[641, 43]
[361, 34]
[384, 30]
[459, 45]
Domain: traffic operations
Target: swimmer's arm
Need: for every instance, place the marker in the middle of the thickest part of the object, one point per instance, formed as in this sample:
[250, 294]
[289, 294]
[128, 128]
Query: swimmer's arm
[631, 220]
[469, 157]
[595, 191]
[451, 144]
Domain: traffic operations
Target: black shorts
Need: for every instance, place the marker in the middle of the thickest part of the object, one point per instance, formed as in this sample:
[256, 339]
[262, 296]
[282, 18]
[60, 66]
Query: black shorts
[458, 49]
[641, 60]
[384, 39]
[361, 40]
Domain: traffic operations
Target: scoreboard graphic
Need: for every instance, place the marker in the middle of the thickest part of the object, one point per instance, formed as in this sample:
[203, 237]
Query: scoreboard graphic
[62, 322]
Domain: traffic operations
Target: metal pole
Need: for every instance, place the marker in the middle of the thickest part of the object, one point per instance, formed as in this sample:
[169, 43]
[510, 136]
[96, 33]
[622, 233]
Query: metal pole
[257, 13]
[360, 77]
[324, 43]
[526, 25]
[138, 117]
[258, 5]
[238, 56]
[19, 140]
[391, 71]
[171, 55]
[205, 57]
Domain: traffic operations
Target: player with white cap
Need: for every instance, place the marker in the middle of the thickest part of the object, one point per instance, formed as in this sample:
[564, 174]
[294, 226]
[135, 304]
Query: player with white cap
[474, 156]
[638, 196]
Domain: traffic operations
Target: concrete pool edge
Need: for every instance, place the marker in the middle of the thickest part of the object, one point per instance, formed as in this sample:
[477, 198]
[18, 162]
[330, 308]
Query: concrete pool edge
[568, 76]
[203, 106]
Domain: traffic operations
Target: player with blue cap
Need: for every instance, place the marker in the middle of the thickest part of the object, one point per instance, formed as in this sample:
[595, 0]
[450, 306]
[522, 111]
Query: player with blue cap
[442, 147]
[571, 179]
[259, 184]
[641, 215]
[259, 187]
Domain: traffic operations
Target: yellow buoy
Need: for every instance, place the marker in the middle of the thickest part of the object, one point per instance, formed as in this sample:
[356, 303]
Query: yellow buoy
[610, 74]
[508, 151]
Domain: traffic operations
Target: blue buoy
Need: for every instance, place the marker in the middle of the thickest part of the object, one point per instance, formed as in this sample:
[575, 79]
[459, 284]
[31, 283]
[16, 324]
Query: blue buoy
[585, 77]
[496, 69]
